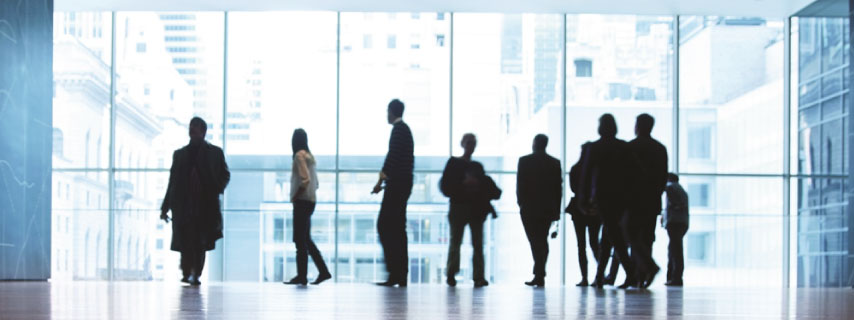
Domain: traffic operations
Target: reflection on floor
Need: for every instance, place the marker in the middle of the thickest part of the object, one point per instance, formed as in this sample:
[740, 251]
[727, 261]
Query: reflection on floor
[154, 300]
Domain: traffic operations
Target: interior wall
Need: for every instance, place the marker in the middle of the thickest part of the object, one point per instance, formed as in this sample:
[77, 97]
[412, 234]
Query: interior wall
[26, 82]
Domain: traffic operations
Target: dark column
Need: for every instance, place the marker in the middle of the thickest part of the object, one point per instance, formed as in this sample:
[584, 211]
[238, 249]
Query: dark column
[26, 134]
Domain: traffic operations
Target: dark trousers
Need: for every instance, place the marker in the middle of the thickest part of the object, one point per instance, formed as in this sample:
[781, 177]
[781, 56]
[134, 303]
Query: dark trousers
[641, 230]
[537, 230]
[459, 216]
[391, 227]
[591, 226]
[611, 215]
[675, 257]
[607, 251]
[302, 239]
[192, 262]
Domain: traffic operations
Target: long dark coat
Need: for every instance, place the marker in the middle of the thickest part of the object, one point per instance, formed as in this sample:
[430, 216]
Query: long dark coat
[196, 214]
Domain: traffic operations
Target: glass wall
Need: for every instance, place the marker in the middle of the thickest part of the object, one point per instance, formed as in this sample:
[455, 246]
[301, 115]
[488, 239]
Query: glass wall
[257, 76]
[821, 92]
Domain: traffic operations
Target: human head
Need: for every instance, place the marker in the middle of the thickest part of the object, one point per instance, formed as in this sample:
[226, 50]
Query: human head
[469, 142]
[299, 141]
[395, 110]
[643, 124]
[672, 177]
[540, 142]
[607, 126]
[198, 129]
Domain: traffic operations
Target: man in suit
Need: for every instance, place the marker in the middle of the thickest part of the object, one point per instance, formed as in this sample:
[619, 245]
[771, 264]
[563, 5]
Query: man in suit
[538, 193]
[198, 176]
[604, 190]
[650, 178]
[397, 176]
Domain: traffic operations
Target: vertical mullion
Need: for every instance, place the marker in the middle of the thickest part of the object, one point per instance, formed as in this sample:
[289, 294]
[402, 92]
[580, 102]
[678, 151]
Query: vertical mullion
[563, 152]
[224, 126]
[337, 134]
[111, 175]
[787, 45]
[675, 89]
[451, 89]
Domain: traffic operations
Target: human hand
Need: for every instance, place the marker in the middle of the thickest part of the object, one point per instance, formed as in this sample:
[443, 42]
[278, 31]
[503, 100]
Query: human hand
[164, 217]
[377, 188]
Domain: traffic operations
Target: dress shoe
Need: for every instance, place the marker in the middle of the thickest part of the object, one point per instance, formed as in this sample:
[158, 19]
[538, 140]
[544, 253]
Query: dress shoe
[610, 280]
[452, 282]
[298, 281]
[392, 283]
[649, 278]
[321, 278]
[673, 283]
[480, 283]
[536, 282]
[628, 284]
[598, 283]
[185, 279]
[583, 283]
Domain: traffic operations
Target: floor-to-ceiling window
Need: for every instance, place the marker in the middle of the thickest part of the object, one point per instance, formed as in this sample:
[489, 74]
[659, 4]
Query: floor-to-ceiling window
[821, 98]
[257, 76]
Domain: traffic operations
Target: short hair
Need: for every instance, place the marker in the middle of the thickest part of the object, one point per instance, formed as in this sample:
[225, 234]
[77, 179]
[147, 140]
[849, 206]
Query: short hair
[607, 126]
[672, 177]
[199, 123]
[469, 135]
[645, 123]
[541, 141]
[396, 108]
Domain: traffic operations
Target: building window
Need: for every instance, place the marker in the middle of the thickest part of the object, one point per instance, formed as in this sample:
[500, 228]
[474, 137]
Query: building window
[416, 16]
[698, 194]
[440, 40]
[140, 47]
[58, 141]
[391, 41]
[367, 41]
[583, 68]
[440, 16]
[416, 41]
[279, 230]
[159, 245]
[700, 142]
[698, 245]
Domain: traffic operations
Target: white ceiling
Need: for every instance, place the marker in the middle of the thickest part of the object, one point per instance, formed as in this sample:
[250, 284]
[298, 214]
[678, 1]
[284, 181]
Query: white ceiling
[760, 8]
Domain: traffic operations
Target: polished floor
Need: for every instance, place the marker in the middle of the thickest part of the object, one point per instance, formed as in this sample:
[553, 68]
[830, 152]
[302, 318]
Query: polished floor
[156, 300]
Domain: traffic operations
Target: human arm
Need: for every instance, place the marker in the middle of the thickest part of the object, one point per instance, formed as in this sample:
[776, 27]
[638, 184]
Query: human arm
[166, 206]
[301, 172]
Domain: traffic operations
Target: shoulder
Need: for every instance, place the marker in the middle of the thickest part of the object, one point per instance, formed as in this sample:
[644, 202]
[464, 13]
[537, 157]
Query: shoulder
[525, 158]
[213, 148]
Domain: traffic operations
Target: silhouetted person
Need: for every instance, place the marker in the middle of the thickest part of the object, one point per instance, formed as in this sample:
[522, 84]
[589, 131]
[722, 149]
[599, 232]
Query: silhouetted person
[470, 190]
[304, 186]
[538, 192]
[198, 176]
[649, 180]
[604, 191]
[397, 175]
[585, 224]
[675, 220]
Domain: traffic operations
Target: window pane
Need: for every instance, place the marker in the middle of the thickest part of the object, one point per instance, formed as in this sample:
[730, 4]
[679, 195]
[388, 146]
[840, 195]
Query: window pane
[630, 61]
[280, 85]
[823, 224]
[731, 82]
[507, 71]
[178, 75]
[416, 71]
[81, 100]
[735, 233]
[80, 223]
